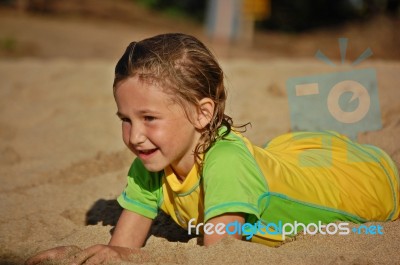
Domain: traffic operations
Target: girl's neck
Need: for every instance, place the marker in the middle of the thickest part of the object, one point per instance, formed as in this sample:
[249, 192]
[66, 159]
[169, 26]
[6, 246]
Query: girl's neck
[181, 176]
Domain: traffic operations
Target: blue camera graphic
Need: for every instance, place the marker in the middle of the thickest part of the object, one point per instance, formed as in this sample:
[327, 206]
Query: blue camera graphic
[346, 102]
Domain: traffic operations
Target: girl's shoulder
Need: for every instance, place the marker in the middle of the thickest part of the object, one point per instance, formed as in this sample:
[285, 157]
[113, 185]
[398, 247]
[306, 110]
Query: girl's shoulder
[231, 146]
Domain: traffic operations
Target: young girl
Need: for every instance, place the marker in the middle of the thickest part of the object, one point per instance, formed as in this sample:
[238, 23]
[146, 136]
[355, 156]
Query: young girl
[192, 164]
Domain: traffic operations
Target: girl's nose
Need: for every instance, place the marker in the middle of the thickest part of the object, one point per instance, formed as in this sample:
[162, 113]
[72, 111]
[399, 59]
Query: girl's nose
[137, 135]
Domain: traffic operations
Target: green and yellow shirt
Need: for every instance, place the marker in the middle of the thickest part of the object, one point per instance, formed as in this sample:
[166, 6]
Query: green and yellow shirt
[303, 176]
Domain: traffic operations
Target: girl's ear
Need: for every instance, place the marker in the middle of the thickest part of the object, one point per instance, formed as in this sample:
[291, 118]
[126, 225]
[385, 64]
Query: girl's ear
[205, 112]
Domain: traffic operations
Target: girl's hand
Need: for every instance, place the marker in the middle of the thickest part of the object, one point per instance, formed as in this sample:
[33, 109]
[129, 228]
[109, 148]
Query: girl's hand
[58, 253]
[103, 254]
[129, 236]
[97, 254]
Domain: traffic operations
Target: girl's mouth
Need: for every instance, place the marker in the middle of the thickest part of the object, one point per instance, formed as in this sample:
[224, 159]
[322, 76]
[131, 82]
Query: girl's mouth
[145, 154]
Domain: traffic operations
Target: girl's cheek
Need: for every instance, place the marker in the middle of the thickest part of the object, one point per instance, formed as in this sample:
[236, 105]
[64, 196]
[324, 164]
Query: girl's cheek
[126, 131]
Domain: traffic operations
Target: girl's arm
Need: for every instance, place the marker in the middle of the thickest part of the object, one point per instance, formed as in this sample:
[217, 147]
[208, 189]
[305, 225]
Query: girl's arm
[225, 219]
[131, 230]
[129, 235]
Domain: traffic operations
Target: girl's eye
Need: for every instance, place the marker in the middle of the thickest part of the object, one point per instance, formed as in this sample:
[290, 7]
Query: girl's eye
[149, 118]
[125, 120]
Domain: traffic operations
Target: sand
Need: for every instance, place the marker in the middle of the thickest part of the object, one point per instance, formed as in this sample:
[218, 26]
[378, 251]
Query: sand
[63, 162]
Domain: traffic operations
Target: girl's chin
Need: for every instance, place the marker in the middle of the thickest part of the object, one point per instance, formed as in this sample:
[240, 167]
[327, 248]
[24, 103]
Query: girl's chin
[151, 163]
[153, 168]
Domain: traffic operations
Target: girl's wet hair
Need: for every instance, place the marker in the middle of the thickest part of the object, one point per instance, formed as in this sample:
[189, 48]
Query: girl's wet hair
[186, 69]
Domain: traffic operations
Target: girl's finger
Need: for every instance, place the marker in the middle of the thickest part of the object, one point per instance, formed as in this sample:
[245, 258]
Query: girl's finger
[83, 256]
[52, 254]
[96, 260]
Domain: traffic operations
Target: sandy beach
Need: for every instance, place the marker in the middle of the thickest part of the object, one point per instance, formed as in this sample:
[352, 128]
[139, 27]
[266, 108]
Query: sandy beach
[63, 162]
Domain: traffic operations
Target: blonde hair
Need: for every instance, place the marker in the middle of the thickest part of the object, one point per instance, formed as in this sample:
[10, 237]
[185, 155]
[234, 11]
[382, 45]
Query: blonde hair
[187, 69]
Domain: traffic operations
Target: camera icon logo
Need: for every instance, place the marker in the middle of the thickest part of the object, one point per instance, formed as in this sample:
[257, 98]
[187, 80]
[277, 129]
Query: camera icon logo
[346, 102]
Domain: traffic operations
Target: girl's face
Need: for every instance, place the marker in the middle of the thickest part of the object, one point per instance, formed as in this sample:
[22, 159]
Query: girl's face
[154, 128]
